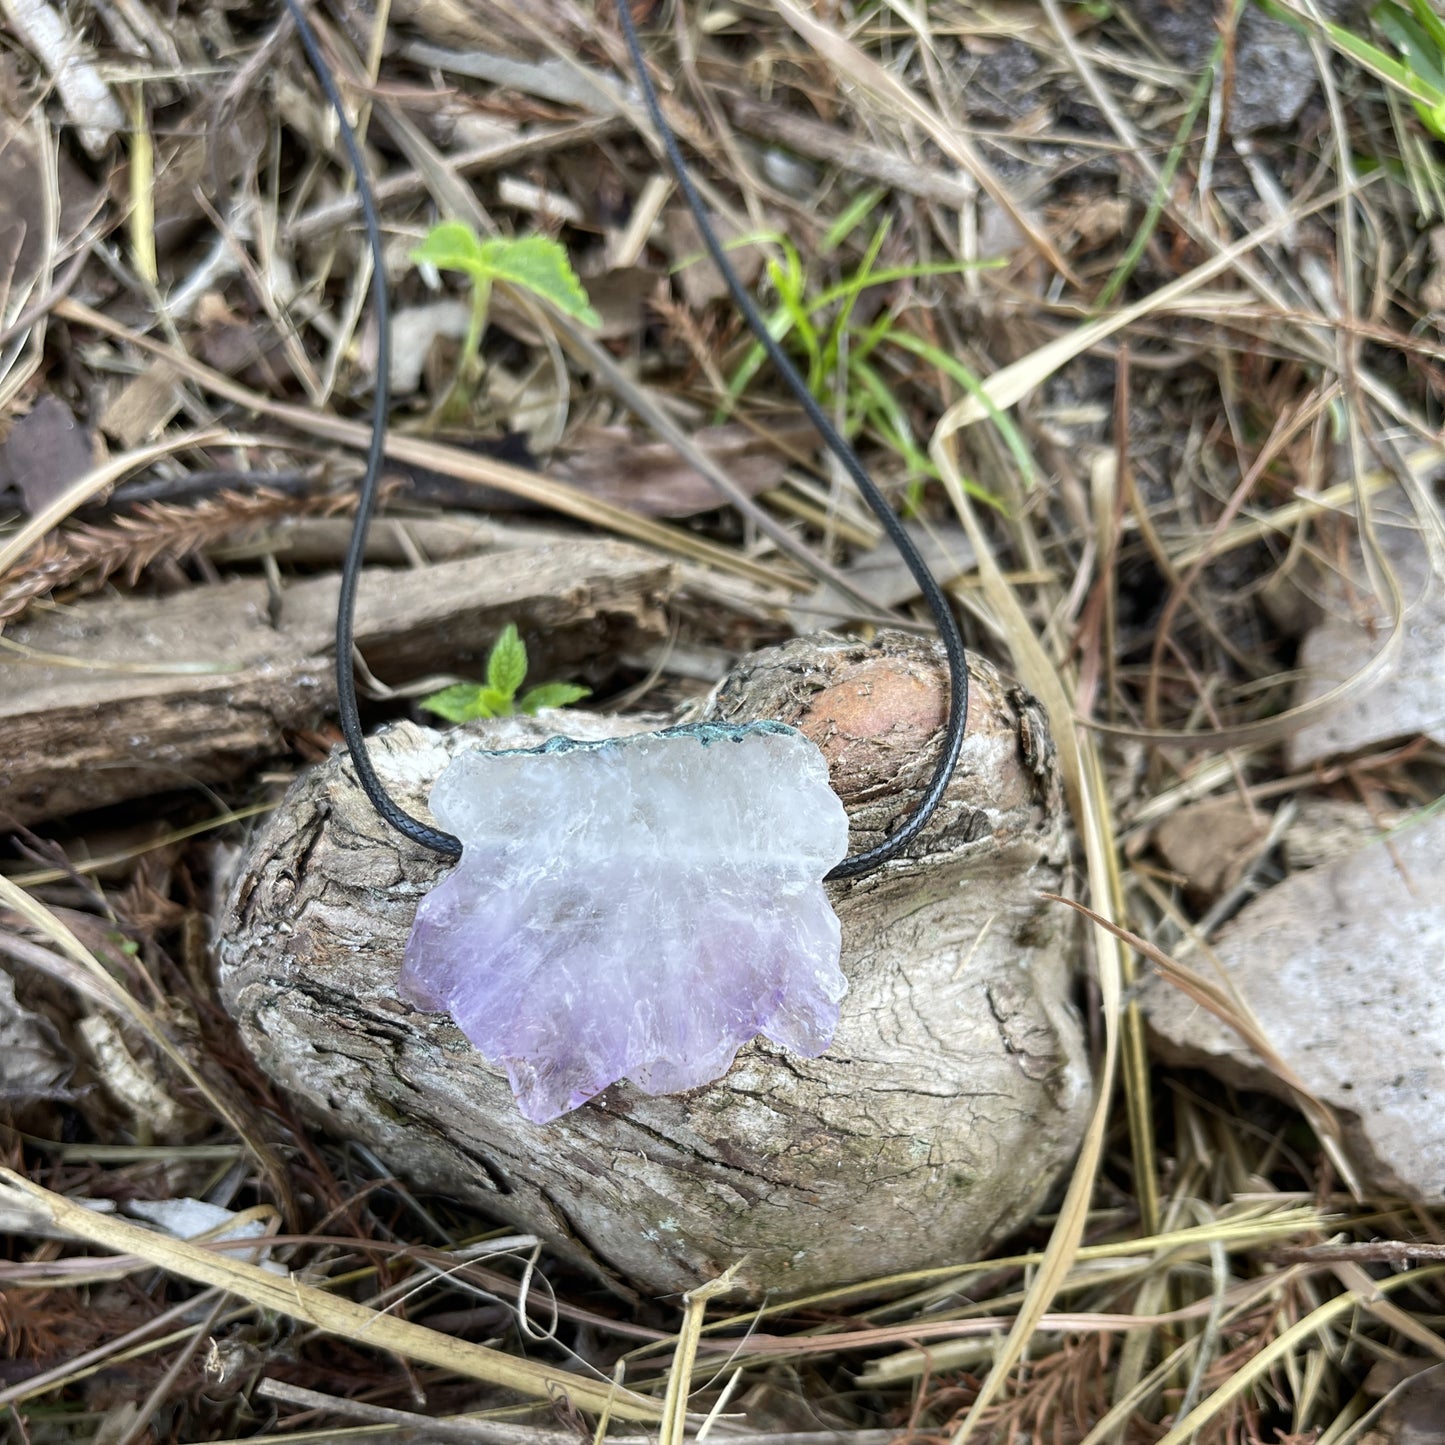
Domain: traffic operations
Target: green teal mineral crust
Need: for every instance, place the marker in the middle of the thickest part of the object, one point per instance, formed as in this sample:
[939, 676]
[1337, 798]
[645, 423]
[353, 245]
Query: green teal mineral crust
[704, 732]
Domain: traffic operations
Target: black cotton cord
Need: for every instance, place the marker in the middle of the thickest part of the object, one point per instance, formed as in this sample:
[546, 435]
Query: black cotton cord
[351, 730]
[836, 443]
[933, 595]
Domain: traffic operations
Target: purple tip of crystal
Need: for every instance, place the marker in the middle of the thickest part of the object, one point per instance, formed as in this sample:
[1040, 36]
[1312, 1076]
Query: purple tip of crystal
[634, 909]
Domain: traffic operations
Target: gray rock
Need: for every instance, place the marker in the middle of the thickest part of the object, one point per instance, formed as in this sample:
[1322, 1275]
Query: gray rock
[1408, 697]
[1274, 71]
[1004, 83]
[1341, 967]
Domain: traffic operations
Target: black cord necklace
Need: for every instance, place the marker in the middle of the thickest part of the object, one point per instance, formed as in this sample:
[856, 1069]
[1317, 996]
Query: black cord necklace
[933, 594]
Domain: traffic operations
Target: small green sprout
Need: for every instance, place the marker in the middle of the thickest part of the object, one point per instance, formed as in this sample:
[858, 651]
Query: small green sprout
[820, 328]
[497, 697]
[535, 264]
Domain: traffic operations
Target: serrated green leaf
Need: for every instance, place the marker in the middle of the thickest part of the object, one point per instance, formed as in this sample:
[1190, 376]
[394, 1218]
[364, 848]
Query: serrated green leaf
[539, 265]
[494, 702]
[507, 663]
[459, 703]
[551, 694]
[452, 246]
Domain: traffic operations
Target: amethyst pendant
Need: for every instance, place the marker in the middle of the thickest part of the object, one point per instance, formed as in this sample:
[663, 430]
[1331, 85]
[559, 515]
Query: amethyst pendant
[638, 908]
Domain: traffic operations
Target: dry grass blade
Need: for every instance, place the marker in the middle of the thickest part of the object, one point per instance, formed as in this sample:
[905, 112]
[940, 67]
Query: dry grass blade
[1009, 385]
[23, 319]
[103, 987]
[1283, 520]
[642, 404]
[1229, 1011]
[1083, 782]
[1277, 727]
[674, 1409]
[326, 1312]
[40, 876]
[80, 492]
[1253, 1227]
[1282, 1348]
[850, 62]
[448, 460]
[92, 553]
[130, 1345]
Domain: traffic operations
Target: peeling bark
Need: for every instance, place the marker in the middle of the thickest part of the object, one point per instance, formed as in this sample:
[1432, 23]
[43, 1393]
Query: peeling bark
[108, 723]
[953, 1097]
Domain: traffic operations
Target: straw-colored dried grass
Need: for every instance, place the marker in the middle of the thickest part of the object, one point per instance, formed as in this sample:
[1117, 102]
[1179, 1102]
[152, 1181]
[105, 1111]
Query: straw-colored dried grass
[1270, 374]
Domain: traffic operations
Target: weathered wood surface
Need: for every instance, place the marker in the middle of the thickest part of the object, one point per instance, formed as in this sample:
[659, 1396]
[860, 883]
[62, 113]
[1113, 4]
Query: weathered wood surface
[951, 1101]
[85, 736]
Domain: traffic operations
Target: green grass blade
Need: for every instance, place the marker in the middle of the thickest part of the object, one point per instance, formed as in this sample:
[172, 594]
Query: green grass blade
[1382, 66]
[957, 371]
[852, 216]
[858, 282]
[854, 284]
[1157, 201]
[1430, 22]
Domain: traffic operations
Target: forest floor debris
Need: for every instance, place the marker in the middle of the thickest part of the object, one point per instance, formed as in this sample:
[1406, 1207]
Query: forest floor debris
[1136, 306]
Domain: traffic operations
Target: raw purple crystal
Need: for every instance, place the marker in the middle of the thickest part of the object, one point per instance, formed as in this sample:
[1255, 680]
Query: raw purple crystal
[637, 908]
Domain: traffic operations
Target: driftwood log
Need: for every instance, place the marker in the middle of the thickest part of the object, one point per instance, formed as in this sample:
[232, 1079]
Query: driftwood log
[952, 1099]
[123, 697]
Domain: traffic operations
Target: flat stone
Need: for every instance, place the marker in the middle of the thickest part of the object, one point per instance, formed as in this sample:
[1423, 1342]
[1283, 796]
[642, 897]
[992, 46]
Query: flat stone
[1408, 696]
[1340, 965]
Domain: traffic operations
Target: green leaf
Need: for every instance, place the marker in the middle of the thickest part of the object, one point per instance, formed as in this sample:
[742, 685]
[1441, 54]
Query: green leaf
[1432, 23]
[494, 702]
[459, 703]
[452, 246]
[853, 215]
[539, 265]
[551, 694]
[507, 663]
[466, 701]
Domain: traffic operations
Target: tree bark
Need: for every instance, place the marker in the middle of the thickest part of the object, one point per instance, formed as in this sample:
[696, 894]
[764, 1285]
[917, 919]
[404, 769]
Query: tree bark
[953, 1097]
[100, 711]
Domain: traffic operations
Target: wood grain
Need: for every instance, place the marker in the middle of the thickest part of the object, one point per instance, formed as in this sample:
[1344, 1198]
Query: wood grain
[110, 726]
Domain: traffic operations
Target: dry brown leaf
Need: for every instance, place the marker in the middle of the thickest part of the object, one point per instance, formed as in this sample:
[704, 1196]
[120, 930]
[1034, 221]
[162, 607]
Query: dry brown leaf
[649, 477]
[1211, 844]
[45, 452]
